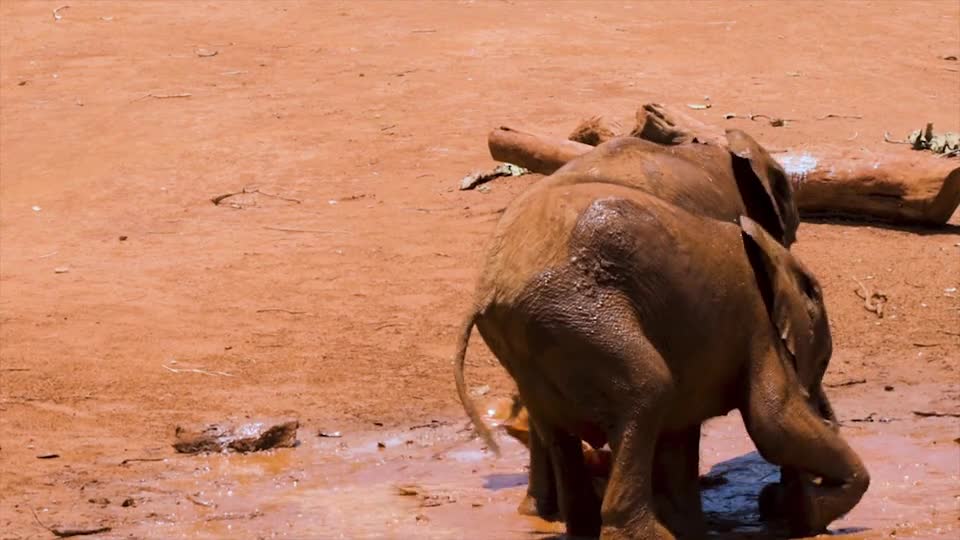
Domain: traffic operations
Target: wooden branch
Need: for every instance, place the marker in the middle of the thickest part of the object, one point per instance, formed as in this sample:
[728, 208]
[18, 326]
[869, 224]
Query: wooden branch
[902, 186]
[536, 153]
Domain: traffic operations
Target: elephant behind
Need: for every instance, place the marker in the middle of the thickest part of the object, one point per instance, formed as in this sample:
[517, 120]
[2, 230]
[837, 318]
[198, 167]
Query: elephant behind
[722, 182]
[626, 319]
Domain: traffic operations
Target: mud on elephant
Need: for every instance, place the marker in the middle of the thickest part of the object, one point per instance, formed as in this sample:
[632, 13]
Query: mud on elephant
[625, 319]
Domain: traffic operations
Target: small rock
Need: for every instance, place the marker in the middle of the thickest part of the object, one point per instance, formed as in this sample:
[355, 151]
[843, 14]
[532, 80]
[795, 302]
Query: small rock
[102, 501]
[330, 434]
[48, 456]
[408, 490]
[61, 270]
[381, 446]
[123, 237]
[128, 502]
[35, 208]
[888, 388]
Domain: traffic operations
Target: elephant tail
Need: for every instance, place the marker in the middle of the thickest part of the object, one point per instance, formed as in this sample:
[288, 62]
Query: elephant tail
[468, 406]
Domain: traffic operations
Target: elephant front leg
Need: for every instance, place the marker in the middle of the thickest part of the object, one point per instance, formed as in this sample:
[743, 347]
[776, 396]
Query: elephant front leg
[541, 497]
[773, 496]
[789, 433]
[676, 482]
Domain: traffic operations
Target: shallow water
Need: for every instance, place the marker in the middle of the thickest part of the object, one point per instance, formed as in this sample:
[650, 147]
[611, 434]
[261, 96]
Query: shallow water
[435, 483]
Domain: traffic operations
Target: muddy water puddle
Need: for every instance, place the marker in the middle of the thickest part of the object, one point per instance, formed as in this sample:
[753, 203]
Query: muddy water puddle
[434, 483]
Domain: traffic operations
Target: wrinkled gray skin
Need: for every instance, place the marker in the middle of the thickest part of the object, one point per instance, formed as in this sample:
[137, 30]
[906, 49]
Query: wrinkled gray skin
[723, 183]
[627, 320]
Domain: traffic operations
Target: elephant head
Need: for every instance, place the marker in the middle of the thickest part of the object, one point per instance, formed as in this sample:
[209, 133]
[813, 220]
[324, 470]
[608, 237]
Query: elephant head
[794, 303]
[764, 187]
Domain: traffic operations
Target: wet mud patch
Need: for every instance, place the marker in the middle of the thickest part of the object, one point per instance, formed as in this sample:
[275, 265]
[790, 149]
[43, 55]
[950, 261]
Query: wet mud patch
[438, 484]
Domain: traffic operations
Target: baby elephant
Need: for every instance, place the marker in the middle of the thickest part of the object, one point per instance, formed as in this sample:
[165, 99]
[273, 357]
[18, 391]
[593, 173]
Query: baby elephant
[625, 319]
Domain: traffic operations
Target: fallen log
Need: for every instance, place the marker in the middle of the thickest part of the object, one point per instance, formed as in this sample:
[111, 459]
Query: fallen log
[897, 187]
[539, 154]
[916, 188]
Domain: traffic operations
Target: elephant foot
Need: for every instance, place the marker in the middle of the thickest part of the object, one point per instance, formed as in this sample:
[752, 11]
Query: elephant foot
[802, 515]
[772, 502]
[617, 533]
[546, 510]
[791, 505]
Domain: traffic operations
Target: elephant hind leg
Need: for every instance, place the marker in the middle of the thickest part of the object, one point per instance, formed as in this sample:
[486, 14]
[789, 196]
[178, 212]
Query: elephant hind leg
[628, 510]
[559, 476]
[640, 402]
[541, 498]
[789, 433]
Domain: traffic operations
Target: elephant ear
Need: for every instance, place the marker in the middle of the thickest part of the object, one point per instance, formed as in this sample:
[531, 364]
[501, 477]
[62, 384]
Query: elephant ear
[773, 275]
[766, 192]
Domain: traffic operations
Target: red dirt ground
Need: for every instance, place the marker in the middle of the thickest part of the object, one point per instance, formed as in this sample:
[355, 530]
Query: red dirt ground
[365, 115]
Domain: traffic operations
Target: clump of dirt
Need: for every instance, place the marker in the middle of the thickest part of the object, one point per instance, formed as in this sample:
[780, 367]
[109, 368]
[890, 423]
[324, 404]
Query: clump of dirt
[245, 438]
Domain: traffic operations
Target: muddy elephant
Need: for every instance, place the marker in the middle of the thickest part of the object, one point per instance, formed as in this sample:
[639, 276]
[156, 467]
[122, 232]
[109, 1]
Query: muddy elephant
[723, 182]
[625, 319]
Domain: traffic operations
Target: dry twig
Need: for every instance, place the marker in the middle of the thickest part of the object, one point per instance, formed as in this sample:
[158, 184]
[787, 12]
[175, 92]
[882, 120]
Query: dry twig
[220, 198]
[56, 13]
[773, 120]
[66, 533]
[314, 231]
[165, 96]
[133, 460]
[851, 382]
[832, 115]
[935, 414]
[868, 299]
[282, 310]
[199, 502]
[195, 370]
[886, 138]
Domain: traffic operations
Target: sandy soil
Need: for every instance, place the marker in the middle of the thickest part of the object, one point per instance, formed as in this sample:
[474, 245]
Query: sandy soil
[333, 293]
